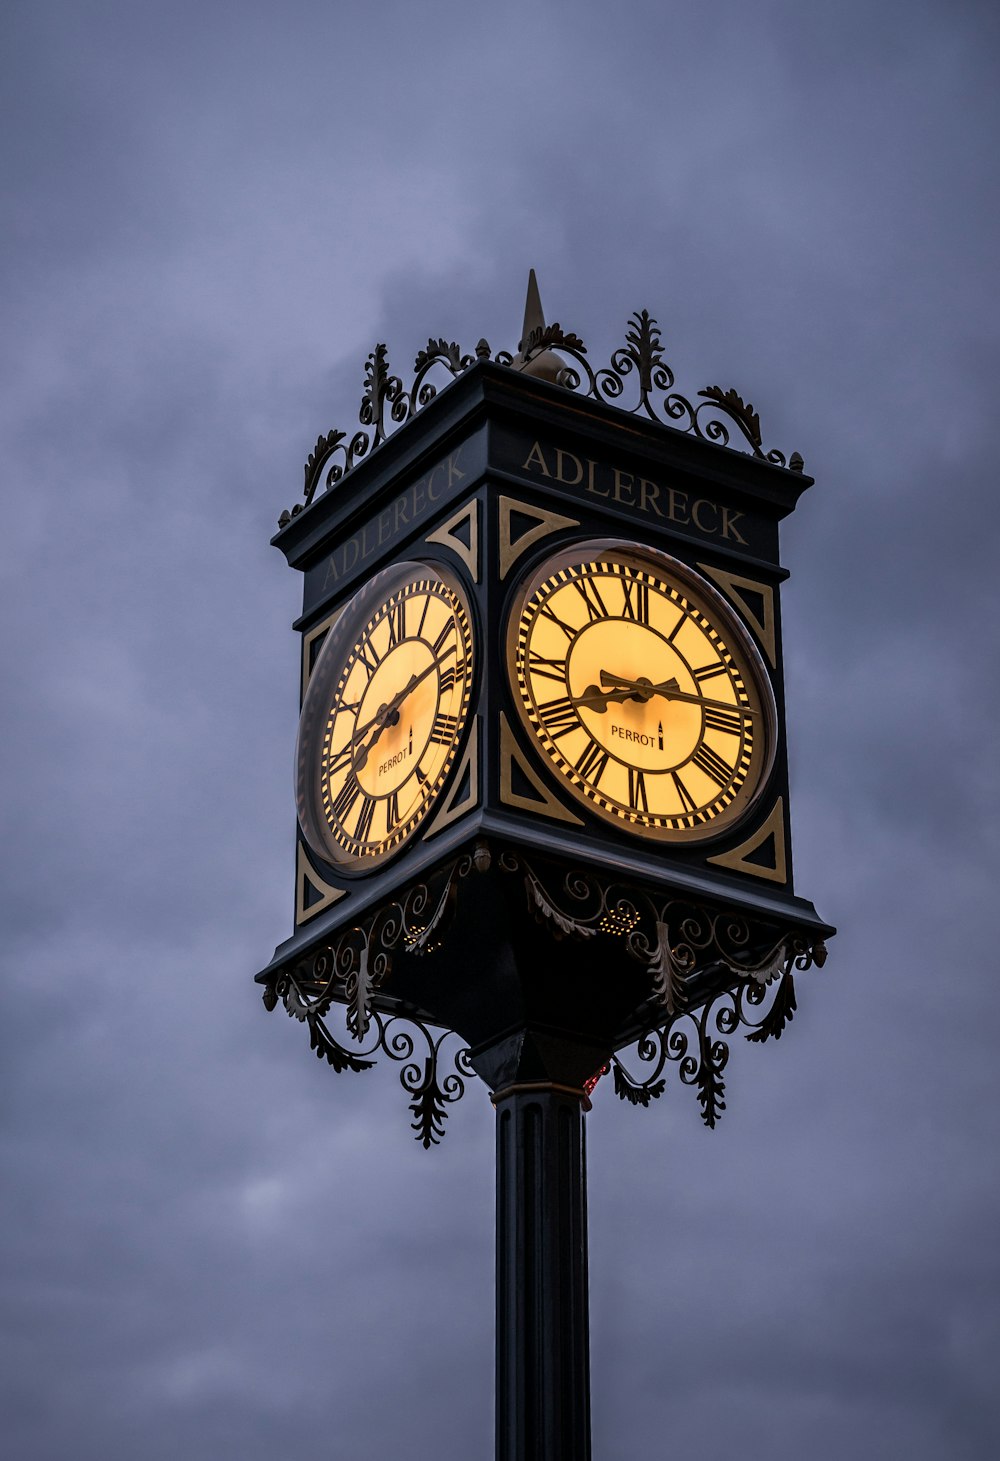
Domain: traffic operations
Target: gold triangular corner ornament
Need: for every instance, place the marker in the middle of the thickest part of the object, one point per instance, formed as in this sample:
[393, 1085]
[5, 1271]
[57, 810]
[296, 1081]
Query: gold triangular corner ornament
[456, 804]
[773, 828]
[545, 523]
[544, 804]
[762, 623]
[312, 893]
[448, 537]
[310, 649]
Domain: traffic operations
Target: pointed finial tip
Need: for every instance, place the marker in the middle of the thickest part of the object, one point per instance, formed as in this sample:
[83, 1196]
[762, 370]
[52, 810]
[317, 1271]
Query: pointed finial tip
[545, 365]
[534, 319]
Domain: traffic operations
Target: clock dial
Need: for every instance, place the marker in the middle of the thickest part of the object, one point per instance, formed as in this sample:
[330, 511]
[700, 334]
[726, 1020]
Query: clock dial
[642, 689]
[383, 715]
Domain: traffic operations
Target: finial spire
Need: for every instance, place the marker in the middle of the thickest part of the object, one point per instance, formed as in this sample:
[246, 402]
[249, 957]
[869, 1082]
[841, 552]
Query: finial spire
[534, 318]
[546, 365]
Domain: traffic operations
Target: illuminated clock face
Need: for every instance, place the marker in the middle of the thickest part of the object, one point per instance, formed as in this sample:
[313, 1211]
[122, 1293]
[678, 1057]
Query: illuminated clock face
[642, 689]
[383, 715]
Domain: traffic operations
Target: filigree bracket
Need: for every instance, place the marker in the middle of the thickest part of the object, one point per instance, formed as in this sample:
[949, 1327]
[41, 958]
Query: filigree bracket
[347, 973]
[637, 380]
[676, 941]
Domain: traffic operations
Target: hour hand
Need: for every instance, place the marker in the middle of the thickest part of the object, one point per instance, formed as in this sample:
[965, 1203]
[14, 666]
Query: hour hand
[620, 687]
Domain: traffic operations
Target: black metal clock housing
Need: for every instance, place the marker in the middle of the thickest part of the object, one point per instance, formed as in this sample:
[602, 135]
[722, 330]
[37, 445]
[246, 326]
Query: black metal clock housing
[632, 561]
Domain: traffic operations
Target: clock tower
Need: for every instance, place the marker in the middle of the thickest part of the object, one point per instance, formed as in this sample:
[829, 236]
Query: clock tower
[541, 774]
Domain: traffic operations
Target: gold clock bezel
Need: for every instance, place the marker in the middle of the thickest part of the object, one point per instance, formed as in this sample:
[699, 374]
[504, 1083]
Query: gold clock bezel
[752, 694]
[323, 702]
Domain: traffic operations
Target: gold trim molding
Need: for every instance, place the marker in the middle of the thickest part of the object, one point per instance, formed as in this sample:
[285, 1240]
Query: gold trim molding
[546, 804]
[446, 536]
[736, 857]
[545, 523]
[308, 640]
[731, 584]
[306, 874]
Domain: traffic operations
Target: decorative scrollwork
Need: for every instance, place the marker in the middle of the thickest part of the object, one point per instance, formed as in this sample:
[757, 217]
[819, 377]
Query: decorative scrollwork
[433, 1082]
[696, 1042]
[386, 403]
[678, 941]
[347, 974]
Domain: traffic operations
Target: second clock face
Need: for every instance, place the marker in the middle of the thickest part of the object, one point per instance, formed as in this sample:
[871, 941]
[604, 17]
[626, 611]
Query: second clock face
[644, 691]
[383, 715]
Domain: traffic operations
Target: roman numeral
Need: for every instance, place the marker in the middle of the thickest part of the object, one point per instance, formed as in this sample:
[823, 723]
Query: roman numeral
[437, 648]
[396, 620]
[591, 595]
[362, 831]
[567, 629]
[444, 729]
[346, 797]
[344, 758]
[450, 677]
[559, 716]
[636, 605]
[592, 763]
[730, 721]
[687, 800]
[713, 765]
[391, 810]
[366, 654]
[637, 791]
[709, 672]
[548, 669]
[423, 615]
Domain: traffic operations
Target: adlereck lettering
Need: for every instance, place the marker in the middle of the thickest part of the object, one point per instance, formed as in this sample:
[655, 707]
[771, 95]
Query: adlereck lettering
[668, 503]
[408, 508]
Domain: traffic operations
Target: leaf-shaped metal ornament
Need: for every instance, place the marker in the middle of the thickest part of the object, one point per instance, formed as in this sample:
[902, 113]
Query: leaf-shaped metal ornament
[780, 1014]
[562, 923]
[667, 982]
[552, 337]
[734, 405]
[635, 1092]
[359, 998]
[428, 1107]
[330, 1050]
[445, 352]
[317, 459]
[710, 1085]
[774, 963]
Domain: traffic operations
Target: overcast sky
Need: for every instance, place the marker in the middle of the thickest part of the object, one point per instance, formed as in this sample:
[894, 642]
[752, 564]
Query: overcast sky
[212, 1246]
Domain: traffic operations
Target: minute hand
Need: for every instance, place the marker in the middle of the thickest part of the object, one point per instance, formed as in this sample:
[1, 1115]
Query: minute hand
[667, 688]
[381, 718]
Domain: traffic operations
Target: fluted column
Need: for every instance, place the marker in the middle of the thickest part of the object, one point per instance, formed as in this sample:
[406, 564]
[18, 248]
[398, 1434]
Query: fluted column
[543, 1326]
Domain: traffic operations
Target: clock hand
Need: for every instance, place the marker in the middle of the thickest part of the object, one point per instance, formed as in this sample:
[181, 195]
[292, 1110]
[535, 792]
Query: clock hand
[670, 690]
[598, 700]
[385, 716]
[388, 714]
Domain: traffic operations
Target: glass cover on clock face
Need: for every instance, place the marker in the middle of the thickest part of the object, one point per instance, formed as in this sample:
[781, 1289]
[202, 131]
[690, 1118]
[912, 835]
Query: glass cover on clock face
[383, 715]
[642, 689]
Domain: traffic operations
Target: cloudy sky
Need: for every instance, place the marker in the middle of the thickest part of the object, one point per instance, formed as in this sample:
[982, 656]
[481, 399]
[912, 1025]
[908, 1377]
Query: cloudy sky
[214, 1247]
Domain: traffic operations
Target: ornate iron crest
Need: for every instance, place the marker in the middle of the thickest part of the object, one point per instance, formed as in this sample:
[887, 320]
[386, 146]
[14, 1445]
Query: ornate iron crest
[675, 940]
[637, 380]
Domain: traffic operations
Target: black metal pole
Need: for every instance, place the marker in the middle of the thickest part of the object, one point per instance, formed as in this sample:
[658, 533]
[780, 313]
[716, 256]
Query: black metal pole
[542, 1325]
